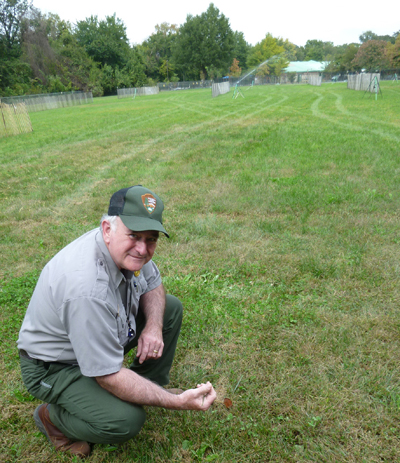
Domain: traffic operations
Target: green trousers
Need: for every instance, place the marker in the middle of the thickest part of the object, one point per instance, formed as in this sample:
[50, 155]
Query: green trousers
[82, 409]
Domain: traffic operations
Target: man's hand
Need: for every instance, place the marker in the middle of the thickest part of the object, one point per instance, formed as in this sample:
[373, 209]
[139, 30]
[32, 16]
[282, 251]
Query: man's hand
[150, 343]
[200, 398]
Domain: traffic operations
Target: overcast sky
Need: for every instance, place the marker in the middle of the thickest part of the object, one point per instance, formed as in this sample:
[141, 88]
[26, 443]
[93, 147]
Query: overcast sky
[339, 21]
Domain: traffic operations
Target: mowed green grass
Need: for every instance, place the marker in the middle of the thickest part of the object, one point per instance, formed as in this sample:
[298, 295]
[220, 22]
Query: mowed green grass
[282, 208]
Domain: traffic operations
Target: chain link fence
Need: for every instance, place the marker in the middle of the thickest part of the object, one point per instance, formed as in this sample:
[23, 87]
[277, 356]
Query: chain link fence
[191, 84]
[136, 91]
[220, 88]
[303, 78]
[44, 101]
[391, 74]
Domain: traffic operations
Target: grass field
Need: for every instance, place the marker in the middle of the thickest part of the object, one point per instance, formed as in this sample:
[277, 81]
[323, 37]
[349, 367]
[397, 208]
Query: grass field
[283, 210]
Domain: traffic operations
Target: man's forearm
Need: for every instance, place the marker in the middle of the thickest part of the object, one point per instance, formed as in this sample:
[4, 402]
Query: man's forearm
[131, 387]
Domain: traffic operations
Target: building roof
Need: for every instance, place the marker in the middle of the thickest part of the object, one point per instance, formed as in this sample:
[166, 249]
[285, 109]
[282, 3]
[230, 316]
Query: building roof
[306, 66]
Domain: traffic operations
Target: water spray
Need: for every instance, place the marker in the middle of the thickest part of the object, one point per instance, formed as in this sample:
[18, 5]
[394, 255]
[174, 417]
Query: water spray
[237, 92]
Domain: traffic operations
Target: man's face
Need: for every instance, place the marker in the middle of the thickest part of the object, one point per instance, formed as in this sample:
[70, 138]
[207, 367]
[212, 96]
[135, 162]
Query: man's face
[129, 250]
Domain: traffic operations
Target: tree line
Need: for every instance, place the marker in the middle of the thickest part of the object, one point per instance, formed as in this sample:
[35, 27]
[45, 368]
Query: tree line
[42, 53]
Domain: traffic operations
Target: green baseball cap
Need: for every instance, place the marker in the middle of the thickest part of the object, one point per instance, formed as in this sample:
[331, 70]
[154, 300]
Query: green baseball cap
[139, 209]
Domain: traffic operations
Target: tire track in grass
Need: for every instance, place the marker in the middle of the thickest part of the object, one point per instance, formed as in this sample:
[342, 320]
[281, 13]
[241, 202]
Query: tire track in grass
[200, 126]
[264, 107]
[89, 185]
[100, 172]
[168, 113]
[190, 108]
[99, 134]
[341, 108]
[227, 109]
[319, 114]
[212, 123]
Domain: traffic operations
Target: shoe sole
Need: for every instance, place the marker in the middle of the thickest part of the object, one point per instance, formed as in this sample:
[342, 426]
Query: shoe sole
[39, 423]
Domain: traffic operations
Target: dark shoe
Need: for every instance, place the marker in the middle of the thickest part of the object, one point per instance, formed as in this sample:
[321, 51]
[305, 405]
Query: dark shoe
[56, 437]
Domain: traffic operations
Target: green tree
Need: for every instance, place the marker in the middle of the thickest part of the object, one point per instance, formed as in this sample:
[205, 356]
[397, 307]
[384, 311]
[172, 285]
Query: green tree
[79, 68]
[342, 61]
[262, 54]
[393, 52]
[314, 50]
[300, 54]
[157, 49]
[167, 69]
[345, 59]
[318, 50]
[131, 75]
[15, 76]
[136, 68]
[57, 61]
[105, 41]
[276, 65]
[110, 79]
[372, 56]
[12, 13]
[290, 48]
[205, 43]
[241, 49]
[369, 35]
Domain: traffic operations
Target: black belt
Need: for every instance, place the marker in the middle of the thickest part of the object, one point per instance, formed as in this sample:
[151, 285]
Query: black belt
[24, 354]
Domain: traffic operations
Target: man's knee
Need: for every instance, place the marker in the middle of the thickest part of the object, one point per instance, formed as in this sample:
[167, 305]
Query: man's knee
[132, 423]
[124, 427]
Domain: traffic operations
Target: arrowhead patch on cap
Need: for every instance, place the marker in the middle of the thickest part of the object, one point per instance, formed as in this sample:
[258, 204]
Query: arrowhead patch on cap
[149, 202]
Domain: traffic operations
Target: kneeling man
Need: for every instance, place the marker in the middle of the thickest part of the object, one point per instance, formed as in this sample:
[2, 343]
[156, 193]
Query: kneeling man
[98, 298]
